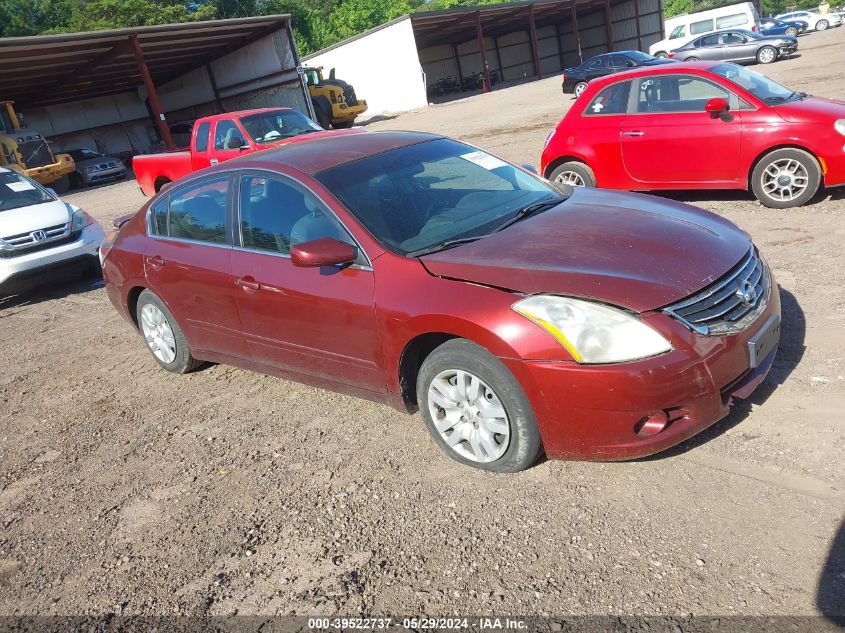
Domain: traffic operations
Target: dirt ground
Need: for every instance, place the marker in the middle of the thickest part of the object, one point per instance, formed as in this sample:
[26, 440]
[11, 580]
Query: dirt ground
[124, 489]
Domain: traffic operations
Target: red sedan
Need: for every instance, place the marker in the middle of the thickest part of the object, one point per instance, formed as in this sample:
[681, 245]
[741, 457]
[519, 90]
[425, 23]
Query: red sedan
[700, 125]
[517, 315]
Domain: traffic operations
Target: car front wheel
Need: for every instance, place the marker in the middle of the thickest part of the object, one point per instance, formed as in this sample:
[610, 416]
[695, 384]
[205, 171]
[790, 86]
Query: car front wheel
[164, 337]
[786, 178]
[822, 25]
[574, 173]
[475, 409]
[792, 32]
[767, 55]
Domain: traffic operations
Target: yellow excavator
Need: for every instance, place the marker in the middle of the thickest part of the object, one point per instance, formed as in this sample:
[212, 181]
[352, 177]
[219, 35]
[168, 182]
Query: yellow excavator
[334, 100]
[26, 151]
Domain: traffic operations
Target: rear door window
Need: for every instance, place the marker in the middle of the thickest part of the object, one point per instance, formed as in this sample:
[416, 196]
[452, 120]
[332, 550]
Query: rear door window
[611, 100]
[703, 26]
[202, 136]
[727, 21]
[198, 212]
[707, 40]
[598, 62]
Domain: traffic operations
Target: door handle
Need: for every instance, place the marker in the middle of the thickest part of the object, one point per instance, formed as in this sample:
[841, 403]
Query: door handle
[247, 283]
[633, 133]
[155, 261]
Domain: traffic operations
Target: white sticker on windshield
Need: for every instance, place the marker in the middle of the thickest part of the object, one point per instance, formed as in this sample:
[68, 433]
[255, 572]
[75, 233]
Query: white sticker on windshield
[19, 186]
[484, 160]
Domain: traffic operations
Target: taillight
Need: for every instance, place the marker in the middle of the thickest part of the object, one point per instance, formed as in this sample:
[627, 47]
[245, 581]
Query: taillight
[564, 76]
[671, 53]
[754, 27]
[107, 243]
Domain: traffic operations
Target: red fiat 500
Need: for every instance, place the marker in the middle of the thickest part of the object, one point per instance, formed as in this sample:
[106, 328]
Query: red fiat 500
[700, 125]
[411, 269]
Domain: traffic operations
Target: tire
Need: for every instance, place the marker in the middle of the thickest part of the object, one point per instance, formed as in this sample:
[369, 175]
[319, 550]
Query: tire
[323, 119]
[797, 165]
[182, 361]
[504, 443]
[76, 181]
[343, 125]
[579, 89]
[767, 55]
[822, 25]
[574, 173]
[663, 54]
[60, 186]
[791, 32]
[691, 59]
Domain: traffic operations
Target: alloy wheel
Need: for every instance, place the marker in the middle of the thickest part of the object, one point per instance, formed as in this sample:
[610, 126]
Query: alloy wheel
[571, 178]
[785, 179]
[158, 333]
[822, 25]
[766, 55]
[469, 416]
[579, 89]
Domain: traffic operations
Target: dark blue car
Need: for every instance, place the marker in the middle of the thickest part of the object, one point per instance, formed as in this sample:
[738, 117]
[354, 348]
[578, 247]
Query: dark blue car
[773, 26]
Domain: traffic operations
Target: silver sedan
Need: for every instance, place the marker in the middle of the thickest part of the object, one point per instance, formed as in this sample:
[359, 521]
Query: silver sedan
[737, 46]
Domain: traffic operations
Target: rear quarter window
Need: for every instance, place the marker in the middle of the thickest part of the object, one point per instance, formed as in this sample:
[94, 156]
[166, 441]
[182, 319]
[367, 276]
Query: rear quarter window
[727, 21]
[202, 136]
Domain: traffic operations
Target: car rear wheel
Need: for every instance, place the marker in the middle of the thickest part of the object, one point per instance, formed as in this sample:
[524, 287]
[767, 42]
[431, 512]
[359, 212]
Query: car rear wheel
[574, 173]
[822, 25]
[475, 409]
[767, 55]
[661, 54]
[786, 178]
[792, 31]
[164, 337]
[580, 87]
[691, 59]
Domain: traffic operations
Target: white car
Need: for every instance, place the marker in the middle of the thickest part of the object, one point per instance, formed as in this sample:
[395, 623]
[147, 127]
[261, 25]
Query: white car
[815, 21]
[40, 234]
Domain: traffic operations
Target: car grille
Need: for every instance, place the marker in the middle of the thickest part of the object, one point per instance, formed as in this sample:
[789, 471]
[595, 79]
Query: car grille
[36, 153]
[730, 303]
[24, 243]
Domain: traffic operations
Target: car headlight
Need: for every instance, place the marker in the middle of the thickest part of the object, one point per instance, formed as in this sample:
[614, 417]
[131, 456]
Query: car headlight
[839, 126]
[80, 220]
[593, 332]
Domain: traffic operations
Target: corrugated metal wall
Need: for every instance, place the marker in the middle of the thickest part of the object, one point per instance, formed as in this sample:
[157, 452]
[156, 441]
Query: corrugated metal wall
[510, 54]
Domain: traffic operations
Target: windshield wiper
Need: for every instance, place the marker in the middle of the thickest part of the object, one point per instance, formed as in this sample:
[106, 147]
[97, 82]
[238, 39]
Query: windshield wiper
[531, 209]
[521, 214]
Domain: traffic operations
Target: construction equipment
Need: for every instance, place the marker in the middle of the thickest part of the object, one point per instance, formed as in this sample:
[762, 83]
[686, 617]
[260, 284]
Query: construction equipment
[26, 151]
[335, 103]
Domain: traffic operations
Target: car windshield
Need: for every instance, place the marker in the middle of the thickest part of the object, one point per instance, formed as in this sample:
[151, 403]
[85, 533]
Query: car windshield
[422, 197]
[16, 190]
[83, 154]
[759, 85]
[268, 127]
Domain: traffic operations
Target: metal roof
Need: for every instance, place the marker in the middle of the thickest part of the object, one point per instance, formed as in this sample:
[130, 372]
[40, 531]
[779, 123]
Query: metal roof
[444, 27]
[49, 69]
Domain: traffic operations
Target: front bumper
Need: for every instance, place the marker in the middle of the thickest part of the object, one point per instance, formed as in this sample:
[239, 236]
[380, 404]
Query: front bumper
[106, 175]
[597, 412]
[33, 266]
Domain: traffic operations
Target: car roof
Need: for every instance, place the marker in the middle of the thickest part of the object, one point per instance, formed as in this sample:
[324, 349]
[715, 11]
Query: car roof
[312, 156]
[677, 67]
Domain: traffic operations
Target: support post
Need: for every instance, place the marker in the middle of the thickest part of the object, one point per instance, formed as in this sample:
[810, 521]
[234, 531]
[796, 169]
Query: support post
[152, 94]
[574, 15]
[534, 52]
[637, 18]
[499, 59]
[608, 25]
[559, 46]
[458, 64]
[217, 100]
[479, 34]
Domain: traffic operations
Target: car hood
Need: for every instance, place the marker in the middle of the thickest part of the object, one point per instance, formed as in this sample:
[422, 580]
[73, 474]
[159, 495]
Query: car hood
[808, 110]
[771, 39]
[312, 136]
[34, 217]
[631, 250]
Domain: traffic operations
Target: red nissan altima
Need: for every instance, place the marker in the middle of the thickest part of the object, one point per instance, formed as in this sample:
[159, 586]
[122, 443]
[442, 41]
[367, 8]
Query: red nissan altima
[700, 125]
[519, 316]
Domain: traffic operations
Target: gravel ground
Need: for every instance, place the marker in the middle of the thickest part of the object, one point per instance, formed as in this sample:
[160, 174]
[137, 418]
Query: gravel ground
[124, 489]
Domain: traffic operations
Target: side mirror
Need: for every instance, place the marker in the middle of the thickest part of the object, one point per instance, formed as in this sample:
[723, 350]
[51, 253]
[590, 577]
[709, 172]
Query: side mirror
[322, 252]
[529, 167]
[716, 105]
[244, 147]
[234, 143]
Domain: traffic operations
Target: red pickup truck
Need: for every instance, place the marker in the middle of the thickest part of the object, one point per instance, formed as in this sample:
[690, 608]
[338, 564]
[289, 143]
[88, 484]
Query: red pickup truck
[223, 136]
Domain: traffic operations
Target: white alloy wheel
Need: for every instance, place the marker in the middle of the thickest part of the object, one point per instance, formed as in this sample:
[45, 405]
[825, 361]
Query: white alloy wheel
[158, 333]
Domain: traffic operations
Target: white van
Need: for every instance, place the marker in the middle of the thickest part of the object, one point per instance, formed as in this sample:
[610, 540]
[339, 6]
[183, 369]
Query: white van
[684, 28]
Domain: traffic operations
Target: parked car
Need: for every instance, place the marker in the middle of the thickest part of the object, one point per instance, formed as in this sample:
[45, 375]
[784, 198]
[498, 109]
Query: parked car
[418, 271]
[816, 21]
[41, 235]
[683, 28]
[700, 125]
[222, 137]
[737, 46]
[772, 26]
[93, 168]
[575, 79]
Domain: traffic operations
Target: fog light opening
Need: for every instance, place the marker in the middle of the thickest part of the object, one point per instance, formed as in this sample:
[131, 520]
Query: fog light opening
[651, 424]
